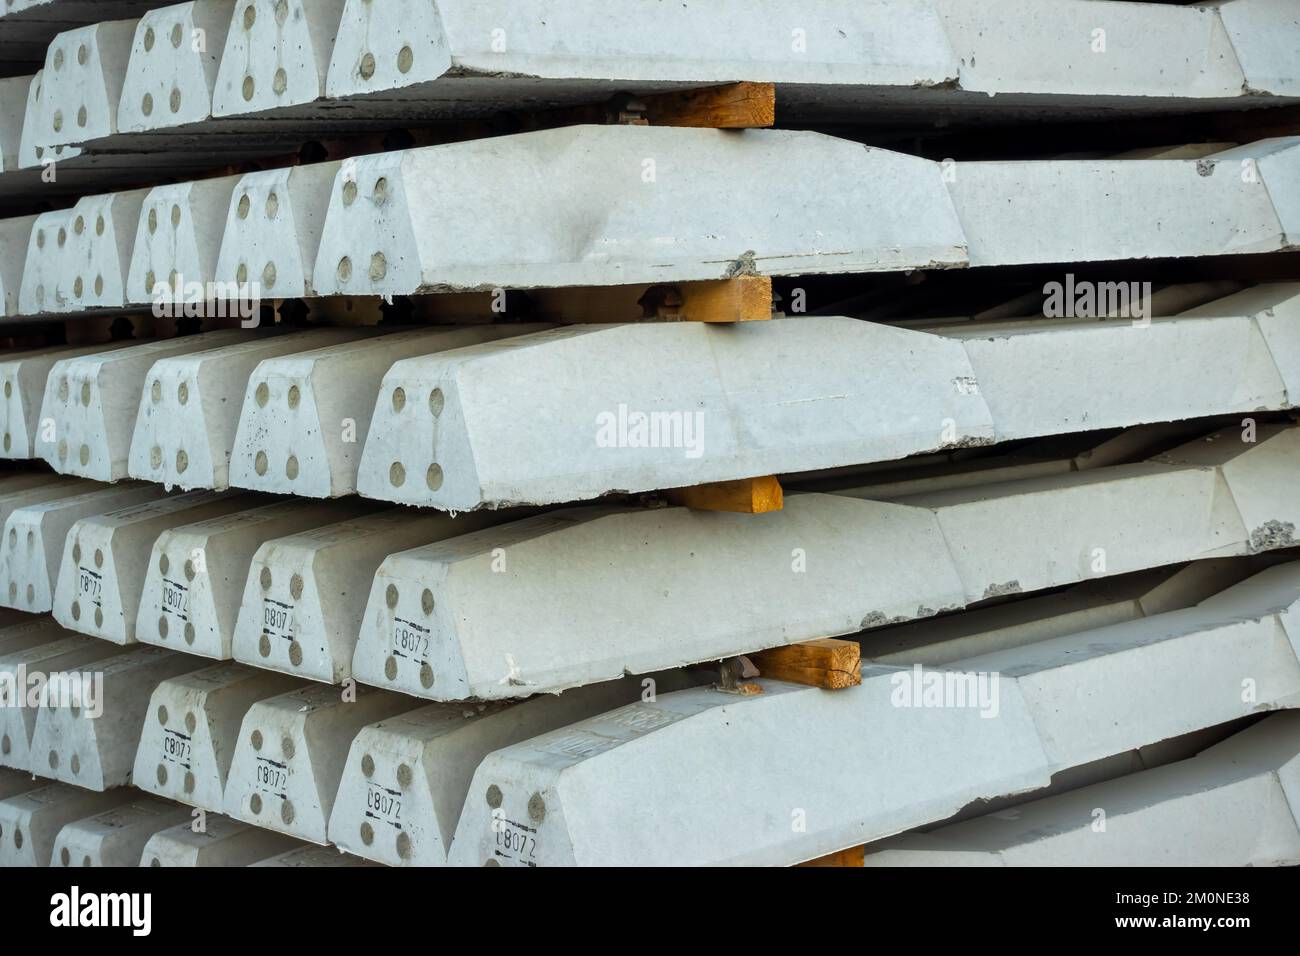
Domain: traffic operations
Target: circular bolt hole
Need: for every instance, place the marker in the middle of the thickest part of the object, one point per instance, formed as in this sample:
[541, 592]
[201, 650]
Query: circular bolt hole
[436, 402]
[378, 267]
[390, 668]
[367, 66]
[494, 797]
[295, 396]
[281, 82]
[162, 627]
[189, 634]
[162, 775]
[263, 394]
[390, 595]
[256, 740]
[349, 192]
[260, 463]
[295, 586]
[368, 765]
[399, 399]
[404, 776]
[536, 808]
[265, 579]
[345, 269]
[264, 646]
[245, 205]
[426, 676]
[367, 834]
[433, 477]
[295, 654]
[146, 105]
[405, 59]
[397, 475]
[426, 601]
[255, 804]
[182, 462]
[291, 468]
[403, 846]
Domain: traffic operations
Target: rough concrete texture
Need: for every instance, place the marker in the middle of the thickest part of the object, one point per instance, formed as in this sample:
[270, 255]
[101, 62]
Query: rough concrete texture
[20, 491]
[278, 55]
[31, 821]
[184, 432]
[106, 557]
[82, 83]
[115, 837]
[939, 741]
[382, 234]
[92, 400]
[1233, 805]
[826, 564]
[664, 405]
[45, 264]
[406, 777]
[1085, 606]
[192, 729]
[220, 842]
[14, 91]
[195, 582]
[1235, 202]
[178, 240]
[34, 536]
[173, 65]
[33, 153]
[98, 752]
[15, 236]
[61, 652]
[315, 409]
[1001, 49]
[302, 605]
[98, 253]
[291, 752]
[313, 856]
[273, 228]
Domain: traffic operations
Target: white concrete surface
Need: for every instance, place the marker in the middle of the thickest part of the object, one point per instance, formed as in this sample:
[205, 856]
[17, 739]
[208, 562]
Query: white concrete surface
[22, 490]
[106, 557]
[98, 255]
[15, 237]
[590, 205]
[82, 83]
[316, 408]
[46, 264]
[313, 856]
[97, 753]
[1085, 606]
[60, 652]
[291, 752]
[302, 605]
[91, 402]
[34, 536]
[826, 564]
[30, 822]
[220, 842]
[192, 729]
[1002, 49]
[173, 66]
[1232, 805]
[1235, 202]
[33, 150]
[664, 405]
[406, 777]
[195, 583]
[115, 837]
[24, 375]
[573, 796]
[178, 240]
[274, 224]
[14, 91]
[184, 432]
[278, 55]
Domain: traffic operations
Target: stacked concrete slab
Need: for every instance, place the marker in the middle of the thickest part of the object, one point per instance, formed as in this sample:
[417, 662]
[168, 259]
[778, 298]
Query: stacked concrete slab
[452, 566]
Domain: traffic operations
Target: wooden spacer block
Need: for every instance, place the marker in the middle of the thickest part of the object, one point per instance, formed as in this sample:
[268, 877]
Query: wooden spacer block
[828, 662]
[853, 856]
[733, 106]
[746, 496]
[738, 299]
